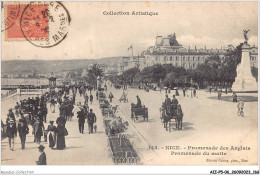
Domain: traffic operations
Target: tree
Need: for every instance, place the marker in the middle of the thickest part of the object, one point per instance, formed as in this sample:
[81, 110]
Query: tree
[128, 76]
[94, 72]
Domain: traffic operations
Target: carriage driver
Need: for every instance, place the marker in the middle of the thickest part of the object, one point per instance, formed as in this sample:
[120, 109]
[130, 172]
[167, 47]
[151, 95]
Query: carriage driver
[138, 104]
[167, 104]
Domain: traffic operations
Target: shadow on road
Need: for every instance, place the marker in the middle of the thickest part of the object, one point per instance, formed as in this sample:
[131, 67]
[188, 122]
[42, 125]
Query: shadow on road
[72, 147]
[230, 98]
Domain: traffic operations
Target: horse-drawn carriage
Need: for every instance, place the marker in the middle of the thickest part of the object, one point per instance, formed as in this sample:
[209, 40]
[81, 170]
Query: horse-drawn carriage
[138, 112]
[170, 114]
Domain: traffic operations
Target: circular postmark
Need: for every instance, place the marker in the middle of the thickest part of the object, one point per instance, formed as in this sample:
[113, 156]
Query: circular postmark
[10, 12]
[45, 24]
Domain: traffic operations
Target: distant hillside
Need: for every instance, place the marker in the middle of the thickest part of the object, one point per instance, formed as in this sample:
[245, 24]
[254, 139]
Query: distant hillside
[47, 66]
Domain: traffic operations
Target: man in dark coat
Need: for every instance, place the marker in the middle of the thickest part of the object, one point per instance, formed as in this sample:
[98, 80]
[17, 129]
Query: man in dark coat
[42, 158]
[91, 120]
[38, 129]
[81, 120]
[167, 104]
[23, 130]
[110, 96]
[174, 104]
[138, 104]
[10, 116]
[91, 98]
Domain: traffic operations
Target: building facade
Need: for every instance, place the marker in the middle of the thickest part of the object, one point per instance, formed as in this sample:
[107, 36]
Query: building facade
[167, 50]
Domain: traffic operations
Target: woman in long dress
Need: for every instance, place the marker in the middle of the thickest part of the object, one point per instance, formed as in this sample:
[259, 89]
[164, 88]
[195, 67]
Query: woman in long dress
[52, 134]
[61, 133]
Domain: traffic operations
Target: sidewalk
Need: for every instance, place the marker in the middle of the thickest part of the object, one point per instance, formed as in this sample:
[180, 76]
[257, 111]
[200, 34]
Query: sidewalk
[81, 149]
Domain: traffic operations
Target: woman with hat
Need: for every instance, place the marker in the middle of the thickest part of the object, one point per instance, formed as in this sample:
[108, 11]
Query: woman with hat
[42, 157]
[52, 134]
[11, 132]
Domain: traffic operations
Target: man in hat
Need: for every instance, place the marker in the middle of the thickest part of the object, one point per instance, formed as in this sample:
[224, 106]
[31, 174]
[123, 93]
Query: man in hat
[11, 132]
[91, 120]
[81, 120]
[167, 104]
[174, 104]
[23, 130]
[42, 157]
[138, 104]
[38, 129]
[10, 116]
[110, 96]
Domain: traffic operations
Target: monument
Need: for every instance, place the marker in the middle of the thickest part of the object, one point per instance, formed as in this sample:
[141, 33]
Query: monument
[244, 81]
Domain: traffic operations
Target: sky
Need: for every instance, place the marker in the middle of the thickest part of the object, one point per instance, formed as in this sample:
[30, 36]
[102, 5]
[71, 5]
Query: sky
[93, 35]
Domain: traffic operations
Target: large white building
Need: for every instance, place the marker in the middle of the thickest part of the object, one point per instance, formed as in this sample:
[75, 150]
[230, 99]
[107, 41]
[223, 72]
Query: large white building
[167, 50]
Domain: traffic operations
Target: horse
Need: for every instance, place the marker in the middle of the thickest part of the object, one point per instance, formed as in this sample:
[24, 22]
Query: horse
[172, 114]
[179, 117]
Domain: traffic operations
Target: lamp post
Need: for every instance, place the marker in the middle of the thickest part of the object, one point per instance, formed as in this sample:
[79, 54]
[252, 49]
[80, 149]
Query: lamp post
[191, 94]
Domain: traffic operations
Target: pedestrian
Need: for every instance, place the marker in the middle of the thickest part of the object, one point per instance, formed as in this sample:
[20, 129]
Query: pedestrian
[97, 94]
[52, 134]
[194, 92]
[61, 133]
[52, 105]
[11, 132]
[81, 120]
[10, 116]
[110, 96]
[17, 109]
[184, 92]
[42, 158]
[86, 98]
[23, 130]
[91, 98]
[234, 97]
[38, 130]
[44, 112]
[219, 94]
[91, 120]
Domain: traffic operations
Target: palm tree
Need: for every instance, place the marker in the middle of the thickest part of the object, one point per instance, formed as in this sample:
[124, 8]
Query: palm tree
[94, 72]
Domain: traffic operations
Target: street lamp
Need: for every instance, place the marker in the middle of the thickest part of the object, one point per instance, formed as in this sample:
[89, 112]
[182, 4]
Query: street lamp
[191, 94]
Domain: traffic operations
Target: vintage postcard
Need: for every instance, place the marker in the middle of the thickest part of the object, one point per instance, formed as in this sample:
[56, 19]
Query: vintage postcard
[129, 83]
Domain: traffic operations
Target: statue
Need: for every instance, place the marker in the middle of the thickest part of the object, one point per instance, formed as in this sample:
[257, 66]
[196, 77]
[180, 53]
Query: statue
[245, 34]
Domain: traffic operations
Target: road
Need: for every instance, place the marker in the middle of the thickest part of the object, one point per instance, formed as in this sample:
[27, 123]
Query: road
[207, 122]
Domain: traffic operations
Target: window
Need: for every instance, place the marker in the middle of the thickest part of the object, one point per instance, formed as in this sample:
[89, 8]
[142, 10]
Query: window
[193, 58]
[176, 64]
[188, 58]
[171, 58]
[177, 58]
[198, 58]
[193, 64]
[165, 58]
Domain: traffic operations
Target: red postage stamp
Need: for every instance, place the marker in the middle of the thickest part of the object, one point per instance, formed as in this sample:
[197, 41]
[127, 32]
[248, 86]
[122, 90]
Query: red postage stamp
[43, 24]
[33, 18]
